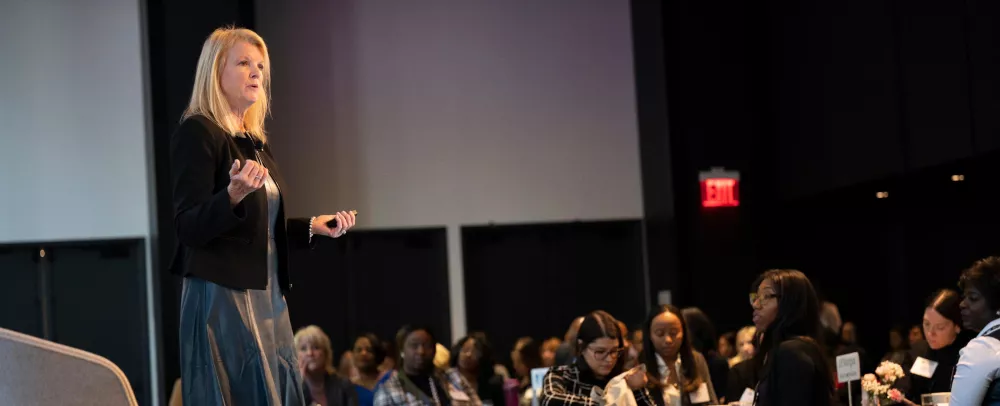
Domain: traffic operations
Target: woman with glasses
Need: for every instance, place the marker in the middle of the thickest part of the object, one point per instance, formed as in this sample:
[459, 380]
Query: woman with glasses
[676, 371]
[935, 361]
[472, 361]
[978, 371]
[793, 369]
[599, 347]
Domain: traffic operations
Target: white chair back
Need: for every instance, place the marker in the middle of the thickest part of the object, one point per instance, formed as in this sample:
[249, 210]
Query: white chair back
[34, 371]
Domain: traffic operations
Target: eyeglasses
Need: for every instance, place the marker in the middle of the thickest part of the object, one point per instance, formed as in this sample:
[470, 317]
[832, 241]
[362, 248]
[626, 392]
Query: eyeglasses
[754, 298]
[602, 354]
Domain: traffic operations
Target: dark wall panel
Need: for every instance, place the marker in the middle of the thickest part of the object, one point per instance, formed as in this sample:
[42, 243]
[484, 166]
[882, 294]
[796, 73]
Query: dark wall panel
[983, 31]
[935, 92]
[19, 297]
[373, 281]
[99, 305]
[833, 92]
[533, 280]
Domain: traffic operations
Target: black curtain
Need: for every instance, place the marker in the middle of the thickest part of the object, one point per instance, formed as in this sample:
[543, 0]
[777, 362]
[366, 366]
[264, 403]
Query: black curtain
[373, 281]
[819, 106]
[533, 280]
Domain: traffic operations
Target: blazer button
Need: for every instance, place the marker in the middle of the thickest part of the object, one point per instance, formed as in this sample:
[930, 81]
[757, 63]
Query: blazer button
[290, 285]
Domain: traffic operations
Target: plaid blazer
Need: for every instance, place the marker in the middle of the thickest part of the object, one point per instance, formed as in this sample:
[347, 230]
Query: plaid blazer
[397, 390]
[564, 386]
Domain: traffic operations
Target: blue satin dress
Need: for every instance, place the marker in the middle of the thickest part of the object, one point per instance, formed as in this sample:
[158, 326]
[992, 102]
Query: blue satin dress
[237, 346]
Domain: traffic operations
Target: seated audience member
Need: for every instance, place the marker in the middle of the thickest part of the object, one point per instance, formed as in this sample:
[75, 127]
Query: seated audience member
[321, 384]
[742, 373]
[745, 345]
[418, 382]
[637, 339]
[916, 335]
[346, 367]
[473, 361]
[978, 370]
[527, 355]
[834, 345]
[899, 347]
[599, 344]
[635, 350]
[630, 362]
[727, 345]
[702, 338]
[849, 334]
[678, 372]
[391, 357]
[175, 395]
[934, 362]
[368, 355]
[549, 348]
[442, 358]
[567, 350]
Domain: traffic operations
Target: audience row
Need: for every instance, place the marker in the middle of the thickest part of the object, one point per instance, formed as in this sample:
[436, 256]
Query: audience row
[785, 358]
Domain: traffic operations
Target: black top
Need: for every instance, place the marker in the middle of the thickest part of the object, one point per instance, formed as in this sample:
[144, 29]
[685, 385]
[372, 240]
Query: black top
[796, 373]
[940, 381]
[218, 243]
[339, 392]
[718, 368]
[741, 378]
[492, 391]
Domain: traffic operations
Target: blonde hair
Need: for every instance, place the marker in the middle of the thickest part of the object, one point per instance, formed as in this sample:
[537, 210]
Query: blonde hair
[315, 335]
[745, 334]
[442, 358]
[207, 98]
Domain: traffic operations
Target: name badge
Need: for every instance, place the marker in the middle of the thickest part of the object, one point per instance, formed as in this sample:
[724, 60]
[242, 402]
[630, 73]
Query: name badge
[924, 367]
[701, 395]
[747, 398]
[458, 396]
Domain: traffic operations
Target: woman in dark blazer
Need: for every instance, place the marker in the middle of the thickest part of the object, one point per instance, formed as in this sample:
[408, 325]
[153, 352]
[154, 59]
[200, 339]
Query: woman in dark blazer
[321, 384]
[793, 367]
[236, 339]
[934, 360]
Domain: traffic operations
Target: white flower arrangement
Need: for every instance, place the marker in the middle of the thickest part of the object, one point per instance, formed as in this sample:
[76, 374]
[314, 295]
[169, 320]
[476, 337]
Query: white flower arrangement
[881, 390]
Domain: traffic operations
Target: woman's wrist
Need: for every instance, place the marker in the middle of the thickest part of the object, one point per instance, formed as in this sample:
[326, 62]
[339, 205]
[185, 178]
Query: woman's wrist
[233, 200]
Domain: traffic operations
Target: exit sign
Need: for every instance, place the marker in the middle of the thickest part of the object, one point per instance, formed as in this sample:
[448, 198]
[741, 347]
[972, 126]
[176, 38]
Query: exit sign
[719, 188]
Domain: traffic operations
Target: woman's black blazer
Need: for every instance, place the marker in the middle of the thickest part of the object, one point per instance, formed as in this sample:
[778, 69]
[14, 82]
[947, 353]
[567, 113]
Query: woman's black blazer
[216, 242]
